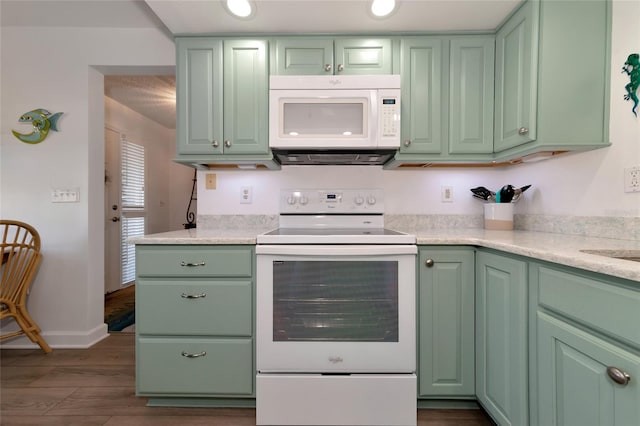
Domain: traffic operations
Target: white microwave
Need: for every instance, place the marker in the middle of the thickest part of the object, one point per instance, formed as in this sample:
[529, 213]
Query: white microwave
[334, 112]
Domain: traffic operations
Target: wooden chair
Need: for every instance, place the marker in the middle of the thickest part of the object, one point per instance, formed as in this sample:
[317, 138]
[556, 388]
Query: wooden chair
[20, 248]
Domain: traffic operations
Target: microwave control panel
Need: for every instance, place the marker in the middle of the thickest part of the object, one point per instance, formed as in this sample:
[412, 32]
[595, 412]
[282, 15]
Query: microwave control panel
[389, 120]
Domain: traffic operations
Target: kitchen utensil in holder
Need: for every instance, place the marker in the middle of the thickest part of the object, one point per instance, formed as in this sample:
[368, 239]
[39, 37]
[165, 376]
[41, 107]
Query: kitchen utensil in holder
[498, 216]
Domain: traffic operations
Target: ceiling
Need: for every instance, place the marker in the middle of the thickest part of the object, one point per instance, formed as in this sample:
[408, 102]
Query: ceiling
[149, 94]
[331, 16]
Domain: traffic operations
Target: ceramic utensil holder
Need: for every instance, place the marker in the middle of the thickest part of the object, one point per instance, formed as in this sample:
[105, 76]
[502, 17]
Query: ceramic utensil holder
[498, 216]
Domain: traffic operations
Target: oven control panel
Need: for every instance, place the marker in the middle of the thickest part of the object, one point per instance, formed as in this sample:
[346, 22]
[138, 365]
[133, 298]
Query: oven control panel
[357, 201]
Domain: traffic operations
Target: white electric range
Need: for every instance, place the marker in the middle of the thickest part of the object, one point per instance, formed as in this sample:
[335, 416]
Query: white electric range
[335, 313]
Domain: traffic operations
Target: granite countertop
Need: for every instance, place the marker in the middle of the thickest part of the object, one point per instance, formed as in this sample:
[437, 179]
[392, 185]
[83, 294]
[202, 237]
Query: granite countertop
[557, 248]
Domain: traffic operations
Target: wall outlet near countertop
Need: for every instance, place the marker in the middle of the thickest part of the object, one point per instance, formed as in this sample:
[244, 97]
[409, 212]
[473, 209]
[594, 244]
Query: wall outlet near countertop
[246, 195]
[447, 194]
[632, 179]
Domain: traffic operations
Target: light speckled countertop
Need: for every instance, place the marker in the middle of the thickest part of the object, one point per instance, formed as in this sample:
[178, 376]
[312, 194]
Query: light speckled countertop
[557, 248]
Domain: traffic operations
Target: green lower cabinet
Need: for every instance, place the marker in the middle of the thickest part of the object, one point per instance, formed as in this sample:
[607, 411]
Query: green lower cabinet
[574, 385]
[195, 366]
[502, 338]
[195, 321]
[586, 344]
[446, 322]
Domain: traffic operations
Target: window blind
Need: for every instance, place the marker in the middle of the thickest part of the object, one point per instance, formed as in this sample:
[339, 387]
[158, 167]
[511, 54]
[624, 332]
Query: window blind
[133, 204]
[133, 172]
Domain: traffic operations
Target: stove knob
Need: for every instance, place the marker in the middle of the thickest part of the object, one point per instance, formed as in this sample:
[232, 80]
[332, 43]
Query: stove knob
[358, 200]
[303, 200]
[371, 200]
[291, 200]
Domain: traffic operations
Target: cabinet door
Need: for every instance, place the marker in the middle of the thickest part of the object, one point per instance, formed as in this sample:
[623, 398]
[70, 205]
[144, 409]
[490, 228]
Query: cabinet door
[199, 96]
[471, 95]
[362, 56]
[422, 101]
[304, 56]
[574, 388]
[516, 72]
[246, 97]
[446, 322]
[501, 338]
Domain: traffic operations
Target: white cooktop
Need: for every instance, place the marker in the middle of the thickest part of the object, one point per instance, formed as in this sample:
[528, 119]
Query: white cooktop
[328, 216]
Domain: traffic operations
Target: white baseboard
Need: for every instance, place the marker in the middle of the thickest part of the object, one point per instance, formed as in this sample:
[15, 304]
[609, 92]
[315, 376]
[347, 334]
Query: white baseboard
[61, 339]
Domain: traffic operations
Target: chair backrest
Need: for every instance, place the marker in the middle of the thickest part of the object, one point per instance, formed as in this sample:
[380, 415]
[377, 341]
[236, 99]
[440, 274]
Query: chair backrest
[20, 248]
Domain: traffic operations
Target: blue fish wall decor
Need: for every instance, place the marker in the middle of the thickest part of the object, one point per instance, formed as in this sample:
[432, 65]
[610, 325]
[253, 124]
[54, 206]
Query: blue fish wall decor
[42, 121]
[632, 69]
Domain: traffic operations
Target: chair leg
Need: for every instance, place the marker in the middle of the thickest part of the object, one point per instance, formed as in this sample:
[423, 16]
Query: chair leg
[31, 329]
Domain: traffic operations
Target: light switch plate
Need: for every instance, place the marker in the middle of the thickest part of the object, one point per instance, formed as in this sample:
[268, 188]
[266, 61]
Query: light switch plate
[65, 195]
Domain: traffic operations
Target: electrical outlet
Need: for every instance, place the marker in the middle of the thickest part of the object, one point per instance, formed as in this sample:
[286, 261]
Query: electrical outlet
[447, 194]
[632, 179]
[246, 195]
[210, 181]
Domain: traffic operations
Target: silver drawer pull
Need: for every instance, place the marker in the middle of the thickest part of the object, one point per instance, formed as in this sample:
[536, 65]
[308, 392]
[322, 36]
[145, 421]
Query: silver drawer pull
[193, 296]
[192, 264]
[618, 376]
[188, 355]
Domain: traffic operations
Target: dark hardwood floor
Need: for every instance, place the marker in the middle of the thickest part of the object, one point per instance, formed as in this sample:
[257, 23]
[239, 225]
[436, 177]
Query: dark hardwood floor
[96, 386]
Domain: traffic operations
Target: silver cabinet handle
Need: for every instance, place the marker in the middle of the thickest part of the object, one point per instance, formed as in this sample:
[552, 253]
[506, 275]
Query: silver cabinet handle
[618, 376]
[429, 263]
[407, 142]
[189, 264]
[198, 355]
[523, 131]
[227, 144]
[340, 68]
[193, 296]
[327, 67]
[215, 144]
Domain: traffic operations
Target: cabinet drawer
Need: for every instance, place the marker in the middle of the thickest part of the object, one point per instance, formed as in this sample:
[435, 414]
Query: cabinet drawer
[218, 366]
[193, 261]
[194, 307]
[598, 304]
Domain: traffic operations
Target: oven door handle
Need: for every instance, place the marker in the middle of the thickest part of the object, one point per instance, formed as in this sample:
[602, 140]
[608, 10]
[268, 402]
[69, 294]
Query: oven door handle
[337, 250]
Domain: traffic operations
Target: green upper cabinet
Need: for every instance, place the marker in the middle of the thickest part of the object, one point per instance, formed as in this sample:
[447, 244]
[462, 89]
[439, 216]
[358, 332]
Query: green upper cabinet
[502, 337]
[541, 105]
[447, 98]
[328, 56]
[199, 96]
[471, 95]
[446, 322]
[222, 97]
[422, 70]
[515, 84]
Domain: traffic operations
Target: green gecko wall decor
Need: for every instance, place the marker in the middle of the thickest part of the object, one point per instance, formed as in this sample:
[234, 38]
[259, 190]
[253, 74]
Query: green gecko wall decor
[42, 121]
[632, 69]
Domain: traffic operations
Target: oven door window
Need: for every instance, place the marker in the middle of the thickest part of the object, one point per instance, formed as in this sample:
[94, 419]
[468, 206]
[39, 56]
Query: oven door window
[335, 301]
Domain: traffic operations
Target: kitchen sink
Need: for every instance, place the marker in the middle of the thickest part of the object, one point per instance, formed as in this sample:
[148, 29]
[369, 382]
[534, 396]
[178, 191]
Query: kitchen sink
[633, 255]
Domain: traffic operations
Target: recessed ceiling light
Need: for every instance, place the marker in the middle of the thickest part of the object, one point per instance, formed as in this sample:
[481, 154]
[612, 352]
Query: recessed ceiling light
[382, 8]
[240, 8]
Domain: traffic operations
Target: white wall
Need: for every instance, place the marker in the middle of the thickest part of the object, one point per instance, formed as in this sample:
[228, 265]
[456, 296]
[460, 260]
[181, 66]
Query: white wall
[580, 184]
[169, 183]
[56, 69]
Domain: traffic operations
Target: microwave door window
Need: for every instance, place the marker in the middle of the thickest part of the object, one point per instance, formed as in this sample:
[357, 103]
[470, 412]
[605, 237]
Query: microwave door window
[340, 301]
[325, 119]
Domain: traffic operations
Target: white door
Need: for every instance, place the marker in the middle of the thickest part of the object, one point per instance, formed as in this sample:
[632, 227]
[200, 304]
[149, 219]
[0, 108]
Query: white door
[112, 226]
[125, 207]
